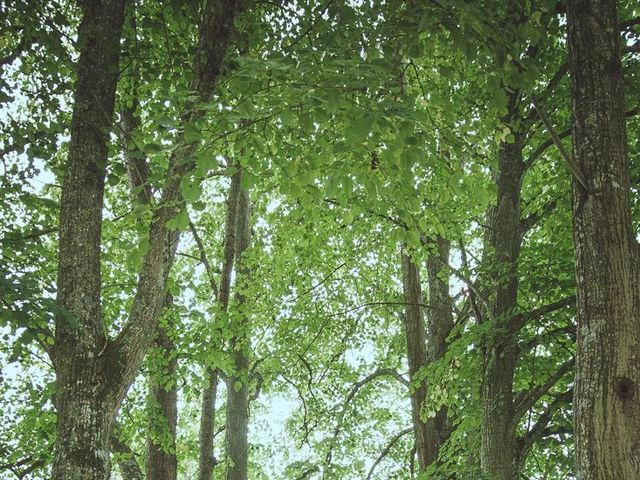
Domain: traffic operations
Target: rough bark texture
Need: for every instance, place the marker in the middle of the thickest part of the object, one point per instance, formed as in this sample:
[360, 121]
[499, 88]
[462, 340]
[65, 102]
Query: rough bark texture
[93, 373]
[82, 372]
[161, 443]
[416, 358]
[607, 412]
[206, 456]
[237, 445]
[498, 452]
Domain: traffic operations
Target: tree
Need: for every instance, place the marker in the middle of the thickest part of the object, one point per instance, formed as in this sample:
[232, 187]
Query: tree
[607, 417]
[93, 371]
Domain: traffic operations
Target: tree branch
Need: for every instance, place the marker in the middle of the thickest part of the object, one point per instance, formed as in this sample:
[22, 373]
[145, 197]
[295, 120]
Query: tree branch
[528, 399]
[577, 173]
[131, 344]
[526, 224]
[520, 320]
[540, 429]
[387, 449]
[380, 372]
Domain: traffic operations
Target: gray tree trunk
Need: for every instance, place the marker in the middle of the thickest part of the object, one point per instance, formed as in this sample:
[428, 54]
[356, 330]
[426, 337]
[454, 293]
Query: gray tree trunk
[93, 372]
[82, 370]
[237, 445]
[607, 411]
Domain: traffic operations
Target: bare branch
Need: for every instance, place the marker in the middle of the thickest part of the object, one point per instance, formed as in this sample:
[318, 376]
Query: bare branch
[540, 429]
[558, 143]
[387, 449]
[520, 320]
[528, 399]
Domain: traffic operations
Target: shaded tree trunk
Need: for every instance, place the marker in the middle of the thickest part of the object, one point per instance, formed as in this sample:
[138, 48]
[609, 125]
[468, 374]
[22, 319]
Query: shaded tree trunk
[439, 325]
[82, 371]
[206, 454]
[607, 412]
[499, 448]
[93, 372]
[237, 445]
[423, 350]
[416, 358]
[163, 397]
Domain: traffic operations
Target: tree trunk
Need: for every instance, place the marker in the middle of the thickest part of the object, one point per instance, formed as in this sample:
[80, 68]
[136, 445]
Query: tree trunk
[417, 358]
[163, 398]
[431, 434]
[238, 384]
[607, 412]
[85, 405]
[206, 455]
[498, 452]
[93, 372]
[439, 325]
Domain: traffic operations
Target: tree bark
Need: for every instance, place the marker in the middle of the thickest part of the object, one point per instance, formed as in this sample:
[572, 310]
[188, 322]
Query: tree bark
[163, 398]
[417, 358]
[82, 372]
[498, 452]
[607, 412]
[238, 383]
[93, 373]
[206, 455]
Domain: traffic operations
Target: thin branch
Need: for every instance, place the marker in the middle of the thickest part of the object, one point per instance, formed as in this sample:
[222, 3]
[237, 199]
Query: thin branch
[327, 277]
[533, 156]
[635, 48]
[204, 259]
[308, 472]
[15, 237]
[569, 330]
[628, 24]
[526, 224]
[308, 29]
[387, 449]
[558, 143]
[528, 399]
[520, 320]
[540, 429]
[380, 372]
[551, 86]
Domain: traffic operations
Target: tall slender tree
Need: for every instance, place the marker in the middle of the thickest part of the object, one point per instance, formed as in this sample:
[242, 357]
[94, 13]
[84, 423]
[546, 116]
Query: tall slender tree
[237, 446]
